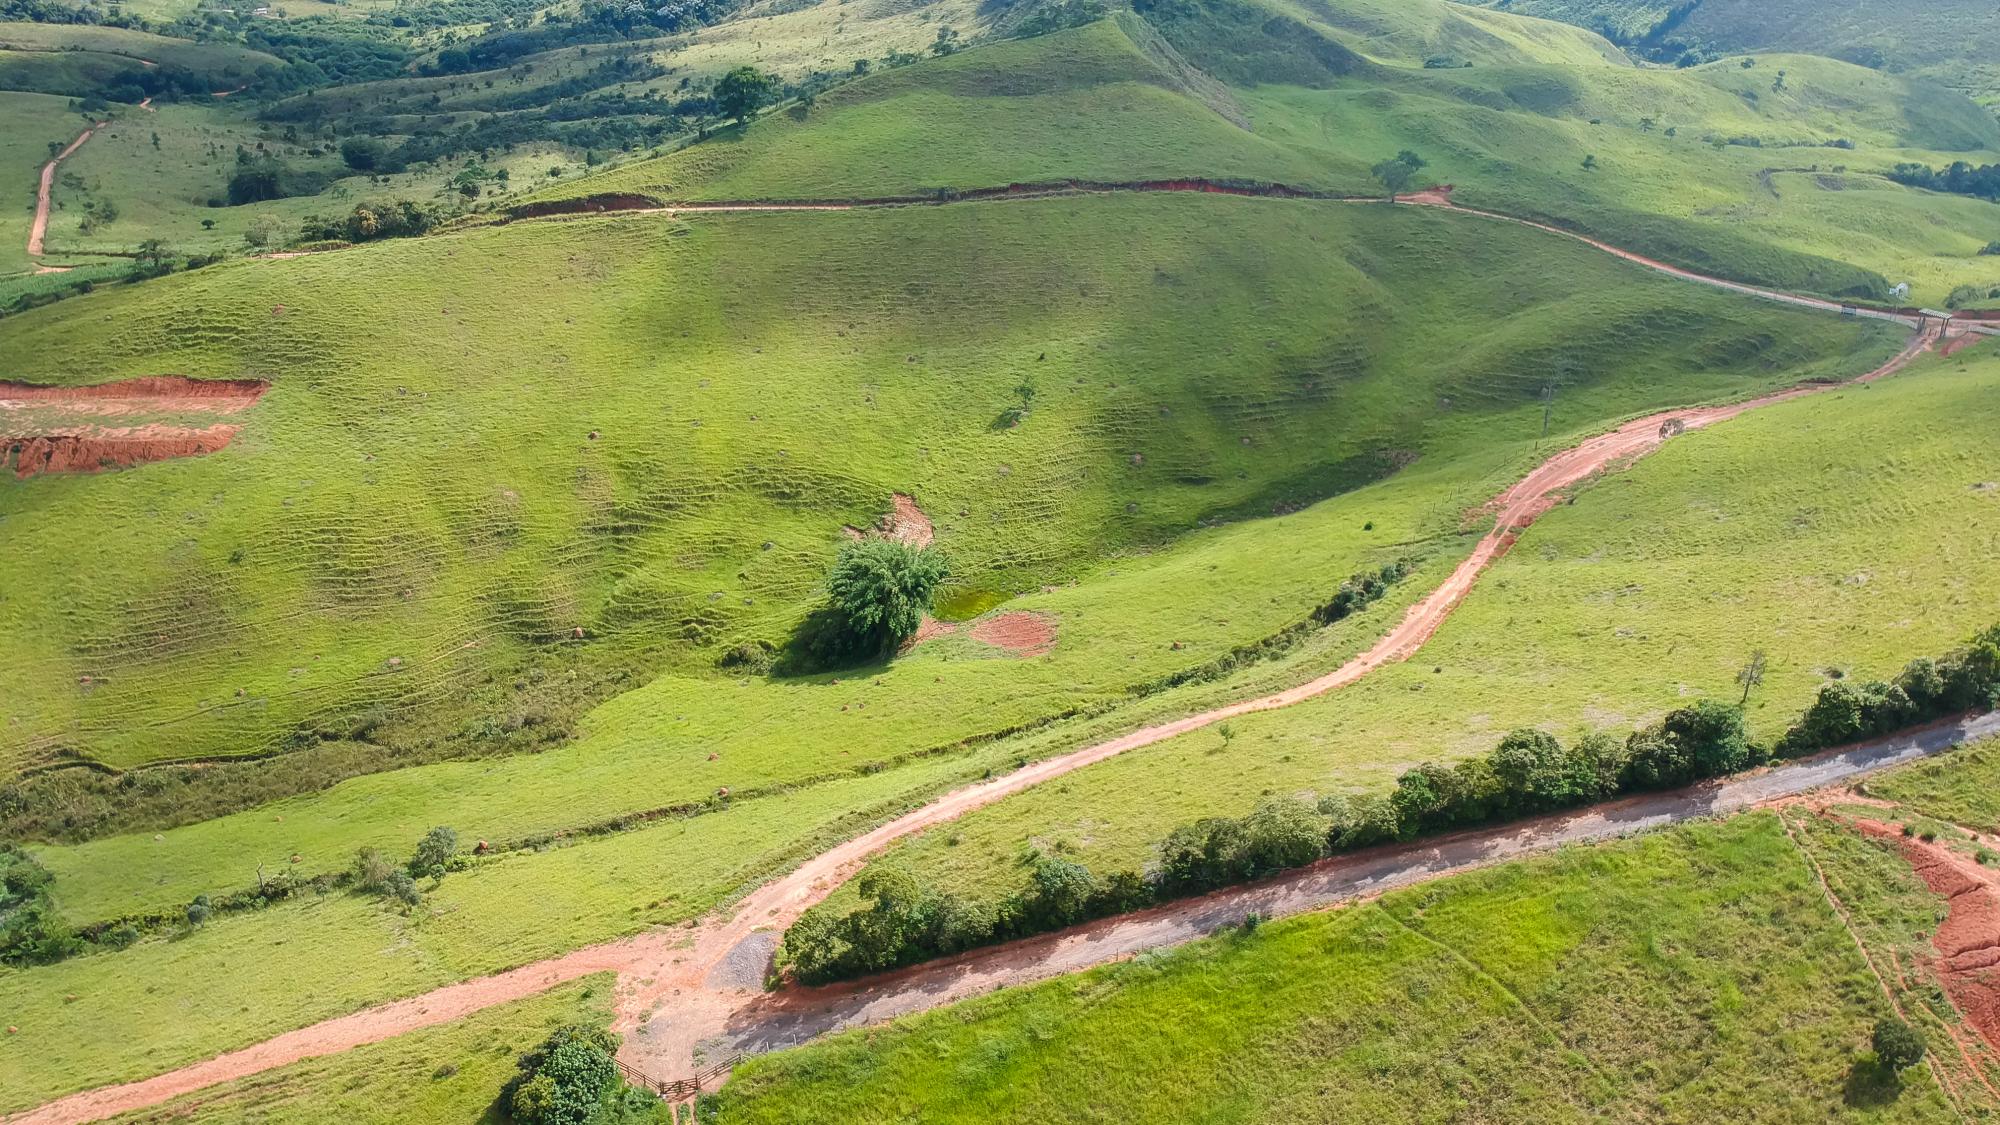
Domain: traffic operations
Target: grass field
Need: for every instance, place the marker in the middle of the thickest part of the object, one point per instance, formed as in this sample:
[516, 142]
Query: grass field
[1694, 975]
[1413, 32]
[224, 60]
[451, 1073]
[244, 977]
[517, 488]
[1964, 790]
[1651, 590]
[513, 529]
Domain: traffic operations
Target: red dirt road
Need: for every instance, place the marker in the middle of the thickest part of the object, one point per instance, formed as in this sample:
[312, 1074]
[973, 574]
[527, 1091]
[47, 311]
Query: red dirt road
[41, 223]
[678, 987]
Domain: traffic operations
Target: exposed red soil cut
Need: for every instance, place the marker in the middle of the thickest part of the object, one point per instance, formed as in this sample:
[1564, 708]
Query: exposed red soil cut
[1959, 343]
[1968, 941]
[1020, 632]
[119, 448]
[907, 523]
[150, 394]
[47, 429]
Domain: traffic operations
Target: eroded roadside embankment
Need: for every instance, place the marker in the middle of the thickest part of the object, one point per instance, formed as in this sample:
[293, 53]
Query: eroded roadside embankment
[50, 429]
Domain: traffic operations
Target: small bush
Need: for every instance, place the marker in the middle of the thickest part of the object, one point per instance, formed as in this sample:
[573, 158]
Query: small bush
[402, 888]
[1898, 1045]
[753, 657]
[564, 1080]
[433, 852]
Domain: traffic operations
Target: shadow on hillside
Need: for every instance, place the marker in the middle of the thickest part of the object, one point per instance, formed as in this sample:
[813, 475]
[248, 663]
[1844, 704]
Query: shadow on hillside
[1870, 1084]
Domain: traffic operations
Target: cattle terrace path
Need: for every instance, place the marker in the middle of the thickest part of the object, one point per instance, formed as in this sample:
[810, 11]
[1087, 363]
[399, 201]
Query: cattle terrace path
[684, 986]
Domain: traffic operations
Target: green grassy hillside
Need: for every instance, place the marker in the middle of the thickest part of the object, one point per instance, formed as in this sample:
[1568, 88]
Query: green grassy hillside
[1651, 590]
[1685, 165]
[220, 59]
[1688, 976]
[1439, 33]
[454, 523]
[1954, 42]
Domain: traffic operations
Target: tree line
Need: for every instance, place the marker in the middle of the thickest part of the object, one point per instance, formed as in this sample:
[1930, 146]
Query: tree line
[1958, 178]
[1529, 772]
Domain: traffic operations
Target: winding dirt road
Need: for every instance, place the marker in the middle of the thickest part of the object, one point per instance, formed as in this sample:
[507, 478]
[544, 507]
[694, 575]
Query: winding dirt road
[40, 227]
[1439, 197]
[678, 988]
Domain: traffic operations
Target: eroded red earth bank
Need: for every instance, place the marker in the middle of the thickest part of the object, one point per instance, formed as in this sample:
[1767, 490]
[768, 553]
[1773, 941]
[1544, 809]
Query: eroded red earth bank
[1968, 940]
[47, 429]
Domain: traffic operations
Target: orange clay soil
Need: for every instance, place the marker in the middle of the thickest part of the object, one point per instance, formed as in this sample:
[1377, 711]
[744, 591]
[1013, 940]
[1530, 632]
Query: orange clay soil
[1968, 942]
[1023, 634]
[907, 523]
[57, 429]
[1959, 343]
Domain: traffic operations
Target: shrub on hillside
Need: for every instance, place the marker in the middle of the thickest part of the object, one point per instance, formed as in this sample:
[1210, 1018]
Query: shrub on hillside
[564, 1081]
[433, 852]
[877, 595]
[31, 932]
[1898, 1046]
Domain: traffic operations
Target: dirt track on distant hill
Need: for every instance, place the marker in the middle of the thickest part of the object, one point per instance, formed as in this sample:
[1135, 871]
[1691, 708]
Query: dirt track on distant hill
[1439, 197]
[676, 987]
[40, 227]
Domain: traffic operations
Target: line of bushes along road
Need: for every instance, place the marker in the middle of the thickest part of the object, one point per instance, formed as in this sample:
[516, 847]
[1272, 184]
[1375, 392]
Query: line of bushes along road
[1529, 772]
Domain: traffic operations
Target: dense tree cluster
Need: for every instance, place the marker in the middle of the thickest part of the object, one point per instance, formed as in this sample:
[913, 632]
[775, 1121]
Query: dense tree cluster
[1959, 178]
[1927, 689]
[565, 1080]
[370, 221]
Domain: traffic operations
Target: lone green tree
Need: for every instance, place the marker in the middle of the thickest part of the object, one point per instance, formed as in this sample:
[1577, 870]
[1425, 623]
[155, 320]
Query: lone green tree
[742, 92]
[1398, 171]
[883, 588]
[876, 597]
[1898, 1046]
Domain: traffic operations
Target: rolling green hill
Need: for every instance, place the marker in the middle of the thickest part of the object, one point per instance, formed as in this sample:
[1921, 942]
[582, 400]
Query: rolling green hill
[1955, 42]
[527, 503]
[756, 423]
[1708, 167]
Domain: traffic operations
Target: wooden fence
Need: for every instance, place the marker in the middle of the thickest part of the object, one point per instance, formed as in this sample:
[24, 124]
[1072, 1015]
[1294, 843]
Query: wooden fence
[680, 1089]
